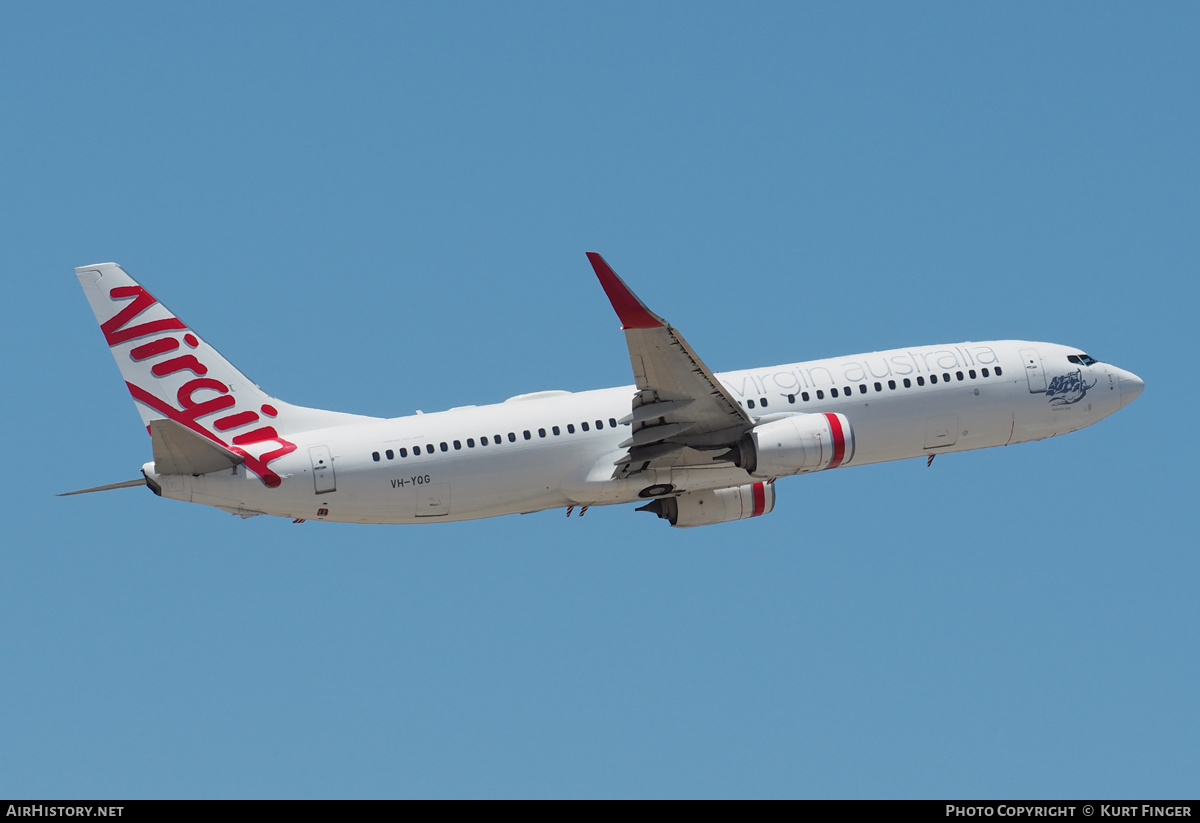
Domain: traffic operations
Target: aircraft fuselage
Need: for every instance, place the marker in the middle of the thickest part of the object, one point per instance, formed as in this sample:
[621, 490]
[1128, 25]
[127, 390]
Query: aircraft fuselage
[558, 449]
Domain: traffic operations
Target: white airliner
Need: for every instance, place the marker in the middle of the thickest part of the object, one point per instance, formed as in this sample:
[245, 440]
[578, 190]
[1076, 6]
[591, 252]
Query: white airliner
[696, 447]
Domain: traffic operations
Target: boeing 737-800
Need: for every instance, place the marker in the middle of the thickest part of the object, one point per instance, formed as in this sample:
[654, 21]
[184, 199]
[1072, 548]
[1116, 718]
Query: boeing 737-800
[694, 447]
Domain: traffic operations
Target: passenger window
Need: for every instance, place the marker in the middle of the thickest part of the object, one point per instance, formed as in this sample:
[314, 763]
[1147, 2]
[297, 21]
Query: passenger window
[570, 428]
[541, 432]
[762, 401]
[527, 435]
[972, 373]
[445, 447]
[862, 388]
[998, 372]
[457, 445]
[470, 442]
[920, 381]
[933, 378]
[584, 425]
[483, 441]
[946, 377]
[959, 375]
[846, 391]
[555, 430]
[375, 456]
[984, 372]
[820, 394]
[791, 398]
[878, 386]
[390, 454]
[496, 439]
[833, 392]
[599, 424]
[907, 383]
[404, 452]
[891, 384]
[749, 404]
[804, 396]
[612, 421]
[416, 450]
[429, 448]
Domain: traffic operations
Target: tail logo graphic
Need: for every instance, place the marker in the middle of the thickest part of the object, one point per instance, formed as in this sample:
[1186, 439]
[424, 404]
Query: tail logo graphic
[168, 355]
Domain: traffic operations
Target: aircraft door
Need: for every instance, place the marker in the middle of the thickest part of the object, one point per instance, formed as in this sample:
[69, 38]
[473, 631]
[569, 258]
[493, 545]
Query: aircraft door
[1033, 370]
[322, 465]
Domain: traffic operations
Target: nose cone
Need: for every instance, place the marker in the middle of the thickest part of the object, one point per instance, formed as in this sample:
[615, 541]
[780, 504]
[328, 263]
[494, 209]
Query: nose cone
[1131, 387]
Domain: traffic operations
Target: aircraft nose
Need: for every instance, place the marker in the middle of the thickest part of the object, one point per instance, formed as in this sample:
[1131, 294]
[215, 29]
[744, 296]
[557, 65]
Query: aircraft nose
[1131, 386]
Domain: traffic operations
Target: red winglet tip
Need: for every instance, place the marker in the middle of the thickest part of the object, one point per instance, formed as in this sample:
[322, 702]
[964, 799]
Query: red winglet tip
[632, 311]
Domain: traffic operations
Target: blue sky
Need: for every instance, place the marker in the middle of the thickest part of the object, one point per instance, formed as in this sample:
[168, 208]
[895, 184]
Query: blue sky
[385, 207]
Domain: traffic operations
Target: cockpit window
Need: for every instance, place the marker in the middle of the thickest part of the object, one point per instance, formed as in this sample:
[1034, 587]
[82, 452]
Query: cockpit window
[1082, 359]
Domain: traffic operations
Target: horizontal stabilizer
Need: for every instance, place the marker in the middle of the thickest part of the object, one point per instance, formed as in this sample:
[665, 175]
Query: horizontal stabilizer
[179, 450]
[127, 484]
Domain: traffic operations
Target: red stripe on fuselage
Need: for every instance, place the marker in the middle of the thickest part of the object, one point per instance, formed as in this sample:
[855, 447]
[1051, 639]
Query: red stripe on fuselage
[839, 440]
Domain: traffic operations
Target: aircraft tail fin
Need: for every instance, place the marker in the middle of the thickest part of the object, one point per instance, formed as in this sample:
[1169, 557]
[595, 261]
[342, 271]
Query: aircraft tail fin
[174, 375]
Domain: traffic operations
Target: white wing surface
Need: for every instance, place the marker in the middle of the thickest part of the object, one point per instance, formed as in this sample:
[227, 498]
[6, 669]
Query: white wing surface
[681, 413]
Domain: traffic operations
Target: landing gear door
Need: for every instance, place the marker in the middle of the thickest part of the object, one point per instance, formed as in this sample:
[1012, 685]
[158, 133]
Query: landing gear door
[1033, 370]
[322, 465]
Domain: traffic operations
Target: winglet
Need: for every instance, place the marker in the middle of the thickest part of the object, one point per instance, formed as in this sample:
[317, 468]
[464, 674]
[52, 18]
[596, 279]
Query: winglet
[631, 310]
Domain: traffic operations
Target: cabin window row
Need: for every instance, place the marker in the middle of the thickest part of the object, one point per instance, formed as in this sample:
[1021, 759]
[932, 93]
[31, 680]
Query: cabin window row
[907, 382]
[495, 439]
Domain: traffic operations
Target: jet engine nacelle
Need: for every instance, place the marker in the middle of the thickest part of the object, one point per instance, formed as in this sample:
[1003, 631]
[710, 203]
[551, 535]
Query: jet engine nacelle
[795, 444]
[704, 508]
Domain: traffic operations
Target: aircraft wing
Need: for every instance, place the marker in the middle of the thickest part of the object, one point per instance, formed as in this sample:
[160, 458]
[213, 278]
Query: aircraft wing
[681, 412]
